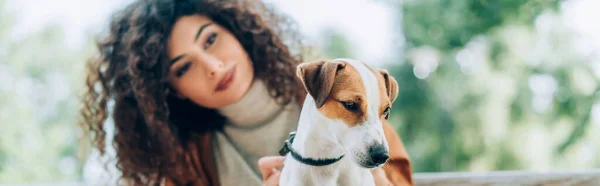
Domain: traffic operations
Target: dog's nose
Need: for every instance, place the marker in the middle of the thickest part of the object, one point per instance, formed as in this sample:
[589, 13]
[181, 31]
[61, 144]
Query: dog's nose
[378, 154]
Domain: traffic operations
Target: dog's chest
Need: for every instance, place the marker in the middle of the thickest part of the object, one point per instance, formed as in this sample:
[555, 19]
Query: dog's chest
[351, 174]
[344, 173]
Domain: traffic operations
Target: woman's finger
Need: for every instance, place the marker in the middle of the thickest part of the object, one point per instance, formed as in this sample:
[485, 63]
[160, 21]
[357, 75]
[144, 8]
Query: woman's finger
[380, 177]
[273, 180]
[268, 164]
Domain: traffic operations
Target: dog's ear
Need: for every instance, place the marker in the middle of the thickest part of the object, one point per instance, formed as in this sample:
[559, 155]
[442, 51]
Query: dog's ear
[318, 78]
[391, 85]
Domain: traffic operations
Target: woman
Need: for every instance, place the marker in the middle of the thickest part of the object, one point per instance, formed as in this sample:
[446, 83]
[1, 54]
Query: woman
[202, 90]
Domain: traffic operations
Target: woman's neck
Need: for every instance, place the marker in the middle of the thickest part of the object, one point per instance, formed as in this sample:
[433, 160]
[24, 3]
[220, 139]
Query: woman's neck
[255, 107]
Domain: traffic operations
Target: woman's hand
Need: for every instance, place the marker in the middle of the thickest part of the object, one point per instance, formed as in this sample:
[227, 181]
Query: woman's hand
[380, 177]
[268, 168]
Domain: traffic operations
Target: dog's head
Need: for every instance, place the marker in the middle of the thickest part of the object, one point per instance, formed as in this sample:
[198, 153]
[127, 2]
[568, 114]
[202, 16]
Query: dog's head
[356, 98]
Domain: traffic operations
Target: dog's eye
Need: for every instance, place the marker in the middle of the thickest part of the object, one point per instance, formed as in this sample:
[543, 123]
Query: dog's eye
[351, 106]
[386, 112]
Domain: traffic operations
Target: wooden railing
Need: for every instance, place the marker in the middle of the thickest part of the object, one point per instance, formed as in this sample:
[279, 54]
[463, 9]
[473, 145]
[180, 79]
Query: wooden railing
[498, 178]
[510, 178]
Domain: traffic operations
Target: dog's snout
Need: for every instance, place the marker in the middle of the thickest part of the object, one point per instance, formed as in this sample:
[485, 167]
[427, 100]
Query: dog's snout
[378, 154]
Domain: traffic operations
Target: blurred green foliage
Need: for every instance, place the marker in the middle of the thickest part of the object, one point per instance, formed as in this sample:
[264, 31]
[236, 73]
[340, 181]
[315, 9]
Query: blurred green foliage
[39, 79]
[444, 118]
[335, 44]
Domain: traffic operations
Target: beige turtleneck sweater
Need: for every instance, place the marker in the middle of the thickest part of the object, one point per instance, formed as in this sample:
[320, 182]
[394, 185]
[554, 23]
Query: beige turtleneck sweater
[257, 126]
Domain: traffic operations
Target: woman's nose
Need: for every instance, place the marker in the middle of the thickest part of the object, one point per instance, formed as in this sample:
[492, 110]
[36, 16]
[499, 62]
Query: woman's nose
[213, 66]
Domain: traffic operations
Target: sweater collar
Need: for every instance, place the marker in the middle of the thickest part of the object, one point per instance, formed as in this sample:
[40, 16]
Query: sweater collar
[255, 107]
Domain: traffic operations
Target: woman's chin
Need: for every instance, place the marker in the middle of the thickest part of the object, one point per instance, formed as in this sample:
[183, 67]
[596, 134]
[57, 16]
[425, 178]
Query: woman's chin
[231, 96]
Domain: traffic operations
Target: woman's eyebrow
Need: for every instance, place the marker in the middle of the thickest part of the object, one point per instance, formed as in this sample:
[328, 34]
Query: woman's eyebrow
[200, 30]
[195, 39]
[175, 59]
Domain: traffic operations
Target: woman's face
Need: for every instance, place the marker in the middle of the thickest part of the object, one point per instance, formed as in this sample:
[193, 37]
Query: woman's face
[209, 66]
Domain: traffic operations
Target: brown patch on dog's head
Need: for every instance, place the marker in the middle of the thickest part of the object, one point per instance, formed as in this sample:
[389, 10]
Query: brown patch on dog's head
[388, 91]
[318, 78]
[337, 89]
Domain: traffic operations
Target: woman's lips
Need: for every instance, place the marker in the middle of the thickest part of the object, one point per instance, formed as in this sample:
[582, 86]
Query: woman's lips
[227, 80]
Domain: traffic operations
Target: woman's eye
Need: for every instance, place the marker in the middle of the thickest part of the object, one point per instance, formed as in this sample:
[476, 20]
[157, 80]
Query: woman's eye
[183, 69]
[211, 39]
[351, 106]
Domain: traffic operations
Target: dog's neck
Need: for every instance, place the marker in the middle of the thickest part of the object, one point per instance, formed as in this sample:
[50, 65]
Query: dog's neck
[313, 139]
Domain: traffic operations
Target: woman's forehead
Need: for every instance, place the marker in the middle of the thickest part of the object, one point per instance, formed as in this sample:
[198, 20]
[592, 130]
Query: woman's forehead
[185, 32]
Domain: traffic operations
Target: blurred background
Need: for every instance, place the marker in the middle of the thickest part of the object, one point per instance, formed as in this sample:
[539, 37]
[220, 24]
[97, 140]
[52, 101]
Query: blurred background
[485, 85]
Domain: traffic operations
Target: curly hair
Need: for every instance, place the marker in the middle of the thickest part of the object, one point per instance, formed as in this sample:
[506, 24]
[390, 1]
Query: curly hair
[152, 127]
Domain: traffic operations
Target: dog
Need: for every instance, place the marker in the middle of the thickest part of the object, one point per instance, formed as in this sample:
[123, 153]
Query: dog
[339, 138]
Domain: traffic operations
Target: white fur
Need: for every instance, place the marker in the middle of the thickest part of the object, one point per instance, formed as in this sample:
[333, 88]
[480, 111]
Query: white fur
[321, 137]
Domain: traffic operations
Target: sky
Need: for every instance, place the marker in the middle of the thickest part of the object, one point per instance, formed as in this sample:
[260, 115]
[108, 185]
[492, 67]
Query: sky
[370, 27]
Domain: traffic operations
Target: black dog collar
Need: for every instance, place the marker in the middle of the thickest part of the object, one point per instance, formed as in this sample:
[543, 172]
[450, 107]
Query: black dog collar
[287, 147]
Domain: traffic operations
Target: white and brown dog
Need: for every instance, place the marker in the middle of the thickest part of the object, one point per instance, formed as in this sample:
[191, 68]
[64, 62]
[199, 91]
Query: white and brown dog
[340, 136]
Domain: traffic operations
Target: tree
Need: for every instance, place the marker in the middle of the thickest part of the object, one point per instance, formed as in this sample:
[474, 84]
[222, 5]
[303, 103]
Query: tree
[479, 80]
[335, 44]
